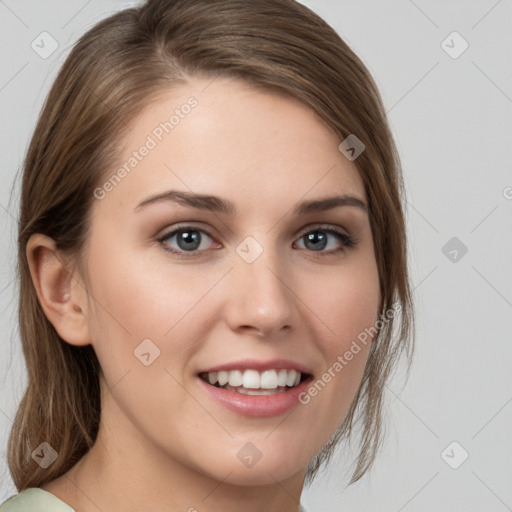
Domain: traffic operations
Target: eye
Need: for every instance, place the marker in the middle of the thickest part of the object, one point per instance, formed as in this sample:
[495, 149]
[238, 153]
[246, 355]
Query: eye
[188, 239]
[319, 239]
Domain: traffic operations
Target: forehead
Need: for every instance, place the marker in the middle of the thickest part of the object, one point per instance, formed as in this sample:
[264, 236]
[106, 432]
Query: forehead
[224, 137]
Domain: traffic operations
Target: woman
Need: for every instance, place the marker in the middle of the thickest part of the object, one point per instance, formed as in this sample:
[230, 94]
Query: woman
[212, 262]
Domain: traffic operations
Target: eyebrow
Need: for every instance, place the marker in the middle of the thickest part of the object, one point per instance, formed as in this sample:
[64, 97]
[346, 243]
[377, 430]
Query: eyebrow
[219, 205]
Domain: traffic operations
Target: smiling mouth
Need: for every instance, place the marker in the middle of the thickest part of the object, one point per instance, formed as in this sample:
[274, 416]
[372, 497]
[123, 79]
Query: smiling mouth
[253, 382]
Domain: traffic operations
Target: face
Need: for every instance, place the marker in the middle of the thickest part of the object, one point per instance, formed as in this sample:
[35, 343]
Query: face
[225, 302]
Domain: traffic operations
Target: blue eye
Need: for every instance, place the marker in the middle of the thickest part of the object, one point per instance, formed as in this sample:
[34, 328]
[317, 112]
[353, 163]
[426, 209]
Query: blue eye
[189, 241]
[318, 240]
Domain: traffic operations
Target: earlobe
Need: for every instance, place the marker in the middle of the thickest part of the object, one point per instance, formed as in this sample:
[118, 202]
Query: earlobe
[60, 294]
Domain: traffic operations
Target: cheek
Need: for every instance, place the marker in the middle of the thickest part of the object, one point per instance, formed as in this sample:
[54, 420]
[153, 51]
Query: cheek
[346, 304]
[143, 333]
[346, 301]
[142, 294]
[138, 297]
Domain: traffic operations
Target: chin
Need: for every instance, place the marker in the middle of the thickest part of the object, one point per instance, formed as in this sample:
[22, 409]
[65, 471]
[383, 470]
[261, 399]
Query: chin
[263, 474]
[250, 467]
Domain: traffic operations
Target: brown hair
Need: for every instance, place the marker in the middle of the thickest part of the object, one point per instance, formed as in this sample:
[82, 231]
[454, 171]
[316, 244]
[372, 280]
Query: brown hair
[111, 74]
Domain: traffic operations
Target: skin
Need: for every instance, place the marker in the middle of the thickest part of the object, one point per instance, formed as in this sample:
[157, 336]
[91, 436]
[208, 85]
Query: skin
[163, 443]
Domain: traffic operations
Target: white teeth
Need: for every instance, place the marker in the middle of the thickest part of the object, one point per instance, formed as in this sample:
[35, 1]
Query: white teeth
[281, 378]
[290, 379]
[222, 378]
[251, 379]
[269, 379]
[244, 380]
[259, 392]
[235, 378]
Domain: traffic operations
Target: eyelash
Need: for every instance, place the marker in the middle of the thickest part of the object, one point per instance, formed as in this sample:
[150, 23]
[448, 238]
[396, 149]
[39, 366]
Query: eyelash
[347, 241]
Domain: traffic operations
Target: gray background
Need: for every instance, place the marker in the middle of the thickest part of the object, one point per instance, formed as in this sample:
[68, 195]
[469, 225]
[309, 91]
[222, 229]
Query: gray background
[452, 121]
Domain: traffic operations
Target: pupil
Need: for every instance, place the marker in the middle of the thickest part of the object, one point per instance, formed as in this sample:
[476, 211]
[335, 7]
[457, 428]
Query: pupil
[189, 240]
[318, 239]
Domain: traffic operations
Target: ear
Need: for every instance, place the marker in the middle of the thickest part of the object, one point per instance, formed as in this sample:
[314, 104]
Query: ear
[61, 294]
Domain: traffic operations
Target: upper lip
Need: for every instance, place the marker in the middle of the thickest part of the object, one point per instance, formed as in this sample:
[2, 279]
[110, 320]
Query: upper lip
[259, 365]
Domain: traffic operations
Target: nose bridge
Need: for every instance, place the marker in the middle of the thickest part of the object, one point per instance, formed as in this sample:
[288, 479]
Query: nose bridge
[260, 295]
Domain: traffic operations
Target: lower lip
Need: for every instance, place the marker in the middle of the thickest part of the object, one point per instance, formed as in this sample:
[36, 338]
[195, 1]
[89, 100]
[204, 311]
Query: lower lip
[257, 405]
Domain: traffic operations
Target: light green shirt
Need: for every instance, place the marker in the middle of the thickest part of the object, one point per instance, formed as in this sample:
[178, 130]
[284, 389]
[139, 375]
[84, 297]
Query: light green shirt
[37, 500]
[34, 500]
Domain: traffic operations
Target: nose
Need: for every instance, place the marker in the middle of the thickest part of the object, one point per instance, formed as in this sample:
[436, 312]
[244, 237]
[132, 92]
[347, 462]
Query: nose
[261, 298]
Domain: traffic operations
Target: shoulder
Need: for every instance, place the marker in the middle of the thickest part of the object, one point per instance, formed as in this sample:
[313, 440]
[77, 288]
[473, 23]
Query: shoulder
[34, 500]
